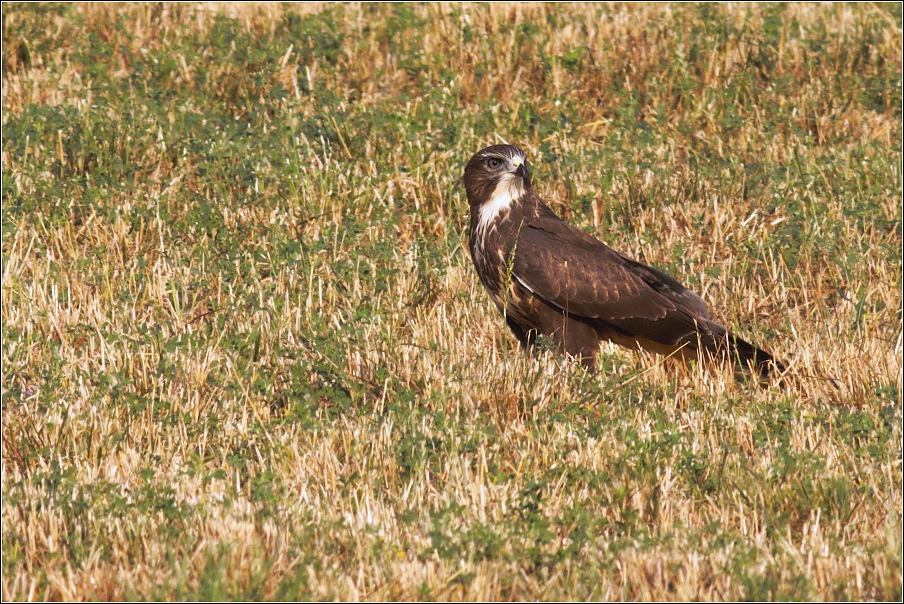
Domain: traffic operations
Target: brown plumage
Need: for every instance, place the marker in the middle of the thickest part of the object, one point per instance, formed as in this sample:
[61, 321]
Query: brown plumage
[549, 278]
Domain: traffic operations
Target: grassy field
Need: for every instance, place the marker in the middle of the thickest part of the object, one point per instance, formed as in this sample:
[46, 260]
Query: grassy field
[245, 353]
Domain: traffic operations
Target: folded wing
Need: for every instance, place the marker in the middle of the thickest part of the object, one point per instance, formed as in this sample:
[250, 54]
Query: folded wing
[584, 277]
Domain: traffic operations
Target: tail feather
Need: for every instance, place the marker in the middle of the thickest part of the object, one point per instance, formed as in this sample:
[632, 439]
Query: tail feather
[751, 357]
[726, 345]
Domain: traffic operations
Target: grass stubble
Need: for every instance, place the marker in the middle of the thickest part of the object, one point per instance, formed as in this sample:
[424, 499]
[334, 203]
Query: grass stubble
[245, 355]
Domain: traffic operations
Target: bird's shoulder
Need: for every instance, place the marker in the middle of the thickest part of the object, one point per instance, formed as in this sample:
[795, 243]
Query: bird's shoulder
[545, 233]
[554, 251]
[546, 228]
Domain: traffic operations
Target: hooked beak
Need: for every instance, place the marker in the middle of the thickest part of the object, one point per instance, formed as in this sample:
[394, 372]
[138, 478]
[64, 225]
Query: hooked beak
[524, 173]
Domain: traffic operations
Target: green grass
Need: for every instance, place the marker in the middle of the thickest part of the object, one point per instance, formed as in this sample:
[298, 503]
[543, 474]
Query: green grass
[246, 356]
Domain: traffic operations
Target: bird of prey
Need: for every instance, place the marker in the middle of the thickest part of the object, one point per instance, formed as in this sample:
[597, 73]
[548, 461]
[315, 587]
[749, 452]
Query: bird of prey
[550, 278]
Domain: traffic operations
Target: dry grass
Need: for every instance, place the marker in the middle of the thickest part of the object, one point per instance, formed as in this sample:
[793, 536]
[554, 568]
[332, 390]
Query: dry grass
[245, 354]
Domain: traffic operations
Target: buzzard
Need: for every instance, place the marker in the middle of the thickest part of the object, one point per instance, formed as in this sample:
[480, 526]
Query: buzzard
[550, 278]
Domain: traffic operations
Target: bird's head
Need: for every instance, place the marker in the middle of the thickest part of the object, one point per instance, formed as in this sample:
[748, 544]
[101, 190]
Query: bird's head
[496, 175]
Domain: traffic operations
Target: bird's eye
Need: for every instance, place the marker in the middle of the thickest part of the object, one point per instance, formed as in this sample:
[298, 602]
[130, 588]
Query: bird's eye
[494, 162]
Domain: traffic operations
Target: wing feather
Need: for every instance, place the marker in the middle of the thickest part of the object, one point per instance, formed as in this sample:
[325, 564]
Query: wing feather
[582, 276]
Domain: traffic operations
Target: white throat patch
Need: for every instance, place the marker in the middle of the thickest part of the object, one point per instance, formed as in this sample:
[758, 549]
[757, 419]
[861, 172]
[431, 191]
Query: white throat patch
[509, 189]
